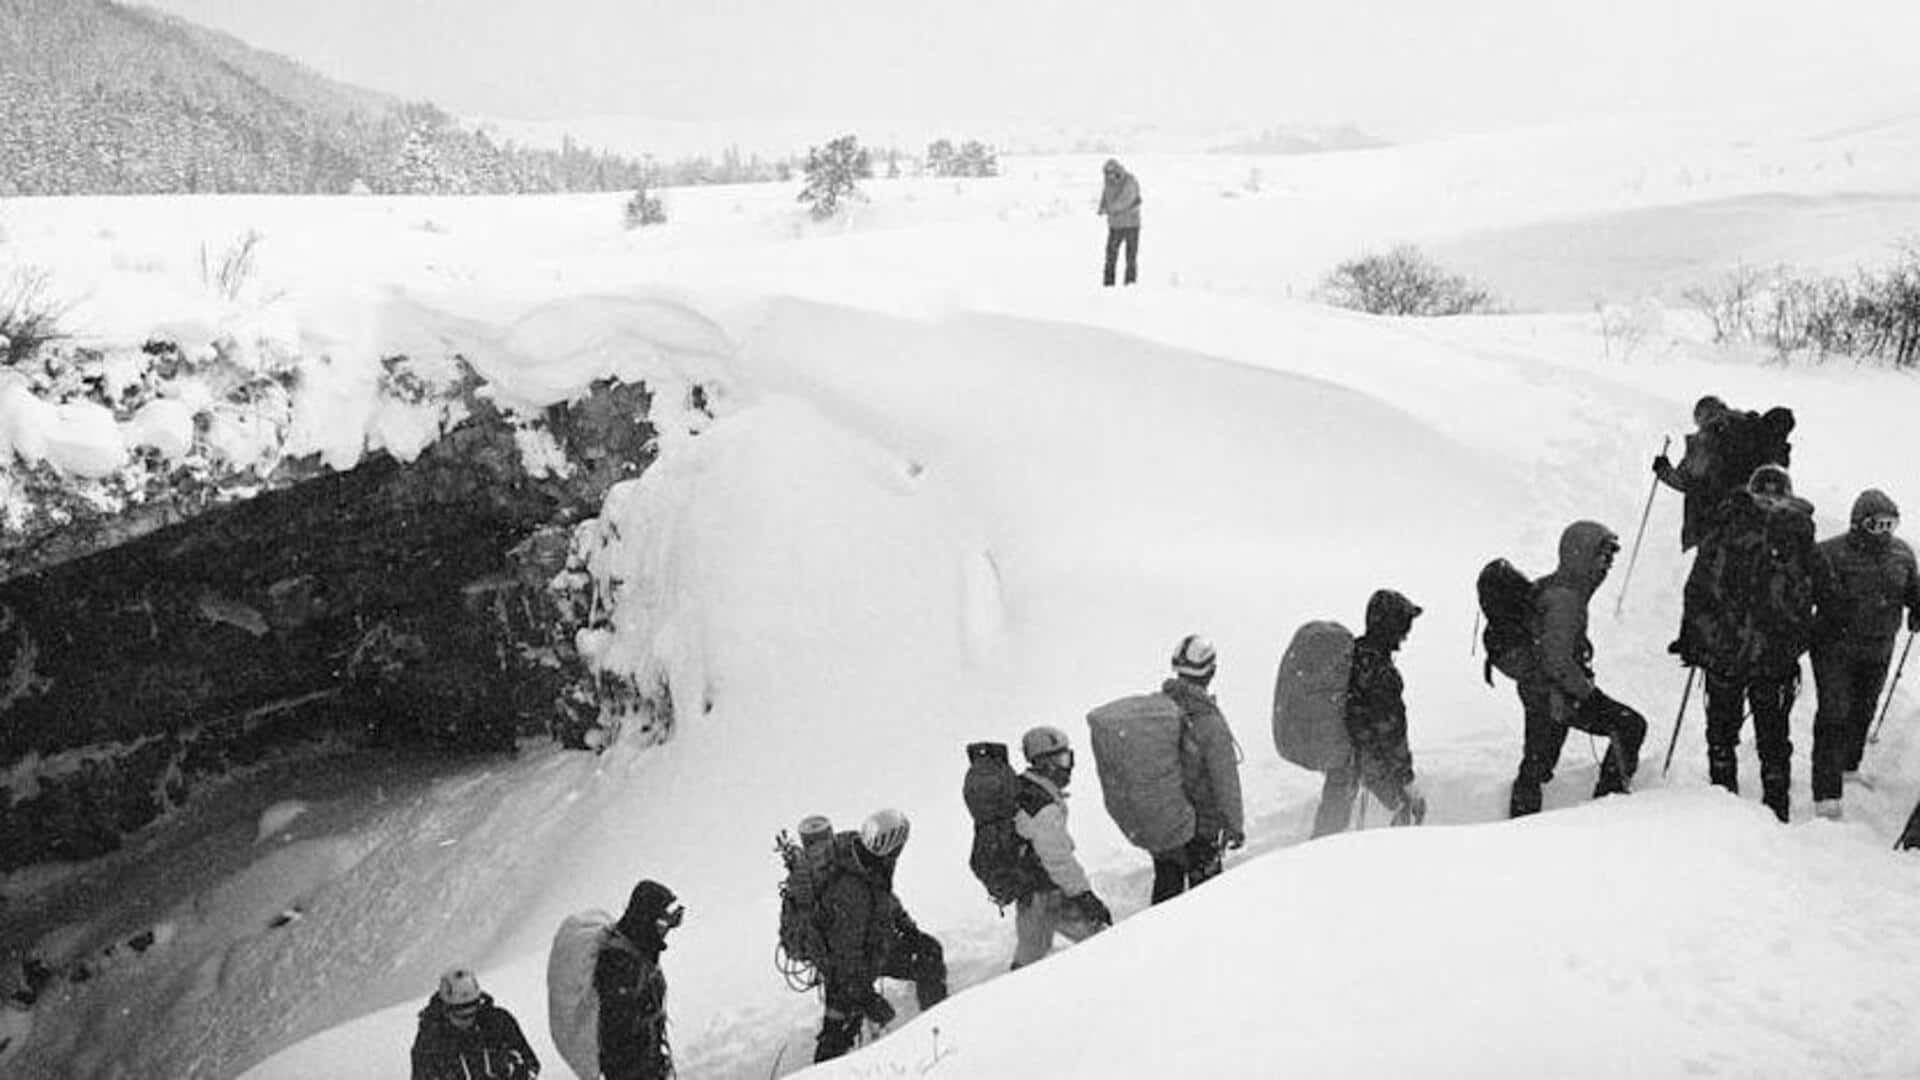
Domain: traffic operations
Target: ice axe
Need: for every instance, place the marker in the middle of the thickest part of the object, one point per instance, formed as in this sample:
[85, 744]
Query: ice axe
[1891, 687]
[1620, 605]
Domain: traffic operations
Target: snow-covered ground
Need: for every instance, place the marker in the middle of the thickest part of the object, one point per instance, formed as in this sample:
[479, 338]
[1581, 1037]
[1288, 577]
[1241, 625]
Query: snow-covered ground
[953, 489]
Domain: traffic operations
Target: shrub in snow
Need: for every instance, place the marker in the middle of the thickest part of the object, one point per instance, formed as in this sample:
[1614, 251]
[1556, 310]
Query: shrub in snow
[644, 209]
[1404, 282]
[973, 158]
[833, 175]
[29, 315]
[1874, 315]
[229, 273]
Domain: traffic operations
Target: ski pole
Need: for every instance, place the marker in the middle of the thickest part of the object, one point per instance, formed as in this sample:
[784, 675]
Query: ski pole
[1891, 687]
[1675, 741]
[1473, 647]
[1619, 606]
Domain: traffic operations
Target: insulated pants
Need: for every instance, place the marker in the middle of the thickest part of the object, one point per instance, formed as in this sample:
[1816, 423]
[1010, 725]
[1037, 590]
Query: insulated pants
[1848, 686]
[1176, 871]
[1337, 793]
[915, 955]
[1772, 700]
[1037, 918]
[1549, 716]
[1130, 237]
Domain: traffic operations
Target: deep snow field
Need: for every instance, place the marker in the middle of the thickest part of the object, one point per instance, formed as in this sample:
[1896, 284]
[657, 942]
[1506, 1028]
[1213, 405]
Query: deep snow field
[953, 488]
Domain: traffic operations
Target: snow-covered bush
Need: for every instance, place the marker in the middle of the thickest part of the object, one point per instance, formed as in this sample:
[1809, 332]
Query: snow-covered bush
[1404, 281]
[229, 273]
[29, 314]
[973, 158]
[833, 175]
[644, 209]
[1874, 315]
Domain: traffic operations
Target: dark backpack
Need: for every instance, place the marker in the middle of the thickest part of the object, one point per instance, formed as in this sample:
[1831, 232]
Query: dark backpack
[811, 866]
[1744, 441]
[1506, 605]
[1749, 597]
[1002, 859]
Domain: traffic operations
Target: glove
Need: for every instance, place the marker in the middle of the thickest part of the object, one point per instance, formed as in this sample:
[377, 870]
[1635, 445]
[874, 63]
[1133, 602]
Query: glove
[878, 1010]
[1234, 839]
[1913, 620]
[1413, 805]
[1662, 465]
[1094, 909]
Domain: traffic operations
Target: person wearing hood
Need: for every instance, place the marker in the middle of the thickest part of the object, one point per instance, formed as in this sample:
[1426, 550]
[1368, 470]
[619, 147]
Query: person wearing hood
[1695, 477]
[1749, 600]
[463, 1035]
[1209, 774]
[1120, 205]
[1559, 693]
[1862, 580]
[633, 990]
[1376, 721]
[869, 935]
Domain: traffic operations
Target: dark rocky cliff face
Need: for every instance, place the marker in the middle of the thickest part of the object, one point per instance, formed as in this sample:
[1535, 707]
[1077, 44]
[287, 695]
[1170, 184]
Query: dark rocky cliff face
[406, 605]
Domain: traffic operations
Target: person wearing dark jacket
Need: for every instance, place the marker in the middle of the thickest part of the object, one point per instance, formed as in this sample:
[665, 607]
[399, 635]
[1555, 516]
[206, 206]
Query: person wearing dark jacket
[1697, 475]
[1209, 771]
[1066, 904]
[1861, 582]
[1376, 721]
[633, 990]
[869, 934]
[1120, 205]
[463, 1035]
[1750, 603]
[1559, 693]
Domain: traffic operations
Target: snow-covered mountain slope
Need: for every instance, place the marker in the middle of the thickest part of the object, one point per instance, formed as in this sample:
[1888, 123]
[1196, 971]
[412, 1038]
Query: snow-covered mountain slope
[954, 489]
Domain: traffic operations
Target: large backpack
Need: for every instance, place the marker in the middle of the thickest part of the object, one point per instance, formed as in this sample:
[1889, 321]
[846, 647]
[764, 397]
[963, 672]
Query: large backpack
[1002, 859]
[1749, 598]
[1310, 697]
[1506, 606]
[1137, 745]
[810, 867]
[1744, 441]
[573, 1005]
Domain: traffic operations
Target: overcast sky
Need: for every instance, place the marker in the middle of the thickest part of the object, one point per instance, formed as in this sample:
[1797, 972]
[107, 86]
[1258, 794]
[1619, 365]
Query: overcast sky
[1397, 67]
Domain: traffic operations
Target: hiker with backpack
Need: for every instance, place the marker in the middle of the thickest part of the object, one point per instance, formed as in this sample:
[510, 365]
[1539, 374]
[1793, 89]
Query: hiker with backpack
[463, 1035]
[606, 994]
[868, 934]
[1209, 771]
[1062, 900]
[1551, 661]
[1749, 600]
[1698, 475]
[1120, 205]
[1861, 581]
[1375, 719]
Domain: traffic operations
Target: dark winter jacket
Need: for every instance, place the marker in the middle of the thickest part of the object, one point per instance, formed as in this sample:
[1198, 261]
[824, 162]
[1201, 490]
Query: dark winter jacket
[1376, 713]
[1209, 761]
[1860, 584]
[1560, 610]
[861, 921]
[1120, 198]
[492, 1049]
[1695, 477]
[1749, 597]
[1041, 821]
[633, 1007]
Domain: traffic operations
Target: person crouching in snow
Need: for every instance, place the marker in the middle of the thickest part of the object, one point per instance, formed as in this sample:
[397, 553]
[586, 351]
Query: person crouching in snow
[1066, 905]
[1376, 719]
[463, 1035]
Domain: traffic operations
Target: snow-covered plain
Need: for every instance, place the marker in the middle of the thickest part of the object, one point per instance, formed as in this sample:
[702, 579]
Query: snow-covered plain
[953, 488]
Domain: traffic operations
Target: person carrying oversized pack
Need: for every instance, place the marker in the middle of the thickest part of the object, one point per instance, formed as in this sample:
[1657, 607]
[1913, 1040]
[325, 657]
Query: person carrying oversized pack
[463, 1035]
[606, 994]
[1170, 773]
[1555, 676]
[1749, 600]
[1371, 713]
[1862, 580]
[1063, 901]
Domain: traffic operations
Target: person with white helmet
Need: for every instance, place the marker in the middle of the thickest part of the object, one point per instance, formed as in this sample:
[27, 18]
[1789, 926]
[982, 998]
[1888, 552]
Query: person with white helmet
[1210, 773]
[869, 935]
[1066, 905]
[463, 1035]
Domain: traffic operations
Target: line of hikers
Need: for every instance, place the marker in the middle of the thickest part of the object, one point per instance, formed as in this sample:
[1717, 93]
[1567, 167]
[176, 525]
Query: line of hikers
[1761, 593]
